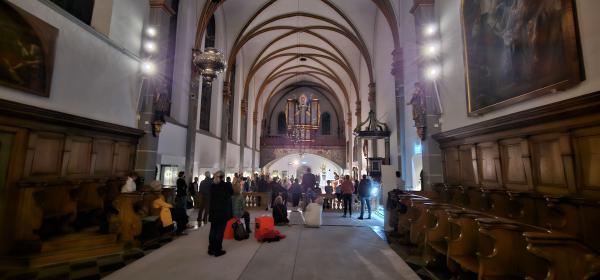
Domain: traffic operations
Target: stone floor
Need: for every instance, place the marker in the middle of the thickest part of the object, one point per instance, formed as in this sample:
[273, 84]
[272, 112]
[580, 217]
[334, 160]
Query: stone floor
[343, 248]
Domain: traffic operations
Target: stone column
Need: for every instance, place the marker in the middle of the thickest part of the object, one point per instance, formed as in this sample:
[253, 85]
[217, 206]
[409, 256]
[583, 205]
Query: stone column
[398, 72]
[432, 159]
[190, 141]
[151, 89]
[373, 106]
[357, 143]
[145, 157]
[225, 125]
[254, 126]
[243, 134]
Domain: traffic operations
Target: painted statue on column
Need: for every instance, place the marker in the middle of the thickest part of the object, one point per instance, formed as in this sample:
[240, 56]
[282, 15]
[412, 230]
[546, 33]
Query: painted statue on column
[419, 109]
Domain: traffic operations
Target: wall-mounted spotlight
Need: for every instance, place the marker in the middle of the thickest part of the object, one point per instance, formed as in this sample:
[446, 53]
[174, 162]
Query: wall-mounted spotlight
[431, 49]
[150, 47]
[430, 30]
[151, 31]
[432, 72]
[148, 68]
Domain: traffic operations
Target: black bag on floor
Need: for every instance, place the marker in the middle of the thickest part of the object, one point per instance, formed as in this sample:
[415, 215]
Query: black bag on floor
[239, 233]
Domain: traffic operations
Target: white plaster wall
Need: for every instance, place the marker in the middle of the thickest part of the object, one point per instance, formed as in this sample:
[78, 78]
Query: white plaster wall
[90, 78]
[384, 81]
[171, 144]
[247, 159]
[187, 20]
[207, 153]
[232, 163]
[127, 23]
[452, 82]
[410, 54]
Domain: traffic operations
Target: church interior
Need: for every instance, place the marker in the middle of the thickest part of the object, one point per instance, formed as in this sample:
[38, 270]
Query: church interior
[474, 124]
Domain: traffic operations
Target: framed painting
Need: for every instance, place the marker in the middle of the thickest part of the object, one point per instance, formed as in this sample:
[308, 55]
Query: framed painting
[516, 50]
[26, 50]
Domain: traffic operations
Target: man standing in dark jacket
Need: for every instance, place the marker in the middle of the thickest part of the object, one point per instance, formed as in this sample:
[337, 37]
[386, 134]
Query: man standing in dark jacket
[364, 192]
[308, 181]
[220, 212]
[204, 198]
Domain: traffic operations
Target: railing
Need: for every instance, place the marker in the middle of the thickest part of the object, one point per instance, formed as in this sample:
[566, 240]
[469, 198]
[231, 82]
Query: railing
[285, 141]
[257, 200]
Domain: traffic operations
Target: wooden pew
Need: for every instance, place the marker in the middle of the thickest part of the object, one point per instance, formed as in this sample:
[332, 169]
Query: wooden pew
[463, 240]
[507, 258]
[567, 258]
[437, 231]
[128, 223]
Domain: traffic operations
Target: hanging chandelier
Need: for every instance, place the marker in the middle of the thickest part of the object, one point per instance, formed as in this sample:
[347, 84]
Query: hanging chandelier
[302, 119]
[209, 62]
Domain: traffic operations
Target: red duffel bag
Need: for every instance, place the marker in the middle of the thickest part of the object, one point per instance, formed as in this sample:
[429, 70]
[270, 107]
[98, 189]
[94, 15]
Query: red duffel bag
[263, 225]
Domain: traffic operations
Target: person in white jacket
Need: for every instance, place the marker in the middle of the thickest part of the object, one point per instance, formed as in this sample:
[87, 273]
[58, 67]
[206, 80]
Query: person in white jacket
[129, 184]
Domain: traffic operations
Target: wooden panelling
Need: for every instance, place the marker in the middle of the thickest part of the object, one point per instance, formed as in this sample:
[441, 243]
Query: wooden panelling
[80, 156]
[547, 165]
[512, 164]
[451, 166]
[104, 151]
[587, 150]
[488, 161]
[468, 172]
[124, 158]
[47, 152]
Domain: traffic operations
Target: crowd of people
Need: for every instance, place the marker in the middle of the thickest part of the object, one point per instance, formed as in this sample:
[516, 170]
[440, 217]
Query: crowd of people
[219, 198]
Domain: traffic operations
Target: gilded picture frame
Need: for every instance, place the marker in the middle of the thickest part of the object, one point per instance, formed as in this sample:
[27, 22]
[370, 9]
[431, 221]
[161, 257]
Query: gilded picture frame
[27, 46]
[516, 50]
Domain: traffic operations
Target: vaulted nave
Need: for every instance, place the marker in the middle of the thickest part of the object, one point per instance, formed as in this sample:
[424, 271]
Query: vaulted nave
[299, 139]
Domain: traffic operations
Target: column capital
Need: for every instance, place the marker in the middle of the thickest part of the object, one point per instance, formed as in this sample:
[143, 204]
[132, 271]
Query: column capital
[244, 108]
[163, 6]
[398, 65]
[372, 92]
[226, 92]
[420, 3]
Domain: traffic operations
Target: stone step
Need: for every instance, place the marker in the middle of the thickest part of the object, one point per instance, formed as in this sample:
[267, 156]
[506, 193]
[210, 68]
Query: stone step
[83, 239]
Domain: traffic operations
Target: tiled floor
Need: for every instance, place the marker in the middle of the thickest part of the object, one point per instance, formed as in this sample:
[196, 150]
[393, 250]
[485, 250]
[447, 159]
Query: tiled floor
[343, 248]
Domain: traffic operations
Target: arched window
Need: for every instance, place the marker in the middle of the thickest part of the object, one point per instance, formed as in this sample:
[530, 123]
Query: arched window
[281, 127]
[325, 124]
[205, 99]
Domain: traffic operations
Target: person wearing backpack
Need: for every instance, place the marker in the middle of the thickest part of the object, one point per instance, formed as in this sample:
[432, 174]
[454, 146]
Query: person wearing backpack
[238, 203]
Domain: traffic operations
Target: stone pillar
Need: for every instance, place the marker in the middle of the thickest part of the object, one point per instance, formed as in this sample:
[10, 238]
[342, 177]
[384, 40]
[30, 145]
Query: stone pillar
[424, 14]
[145, 156]
[254, 126]
[190, 141]
[243, 134]
[225, 125]
[357, 143]
[398, 72]
[373, 107]
[151, 90]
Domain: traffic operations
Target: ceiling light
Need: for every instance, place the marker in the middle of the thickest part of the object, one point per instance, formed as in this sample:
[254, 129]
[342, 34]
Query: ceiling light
[304, 162]
[150, 47]
[430, 30]
[148, 67]
[432, 72]
[296, 162]
[151, 31]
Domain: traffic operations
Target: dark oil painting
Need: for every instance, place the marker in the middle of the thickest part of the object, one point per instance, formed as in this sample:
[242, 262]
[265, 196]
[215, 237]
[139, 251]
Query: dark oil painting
[26, 50]
[518, 49]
